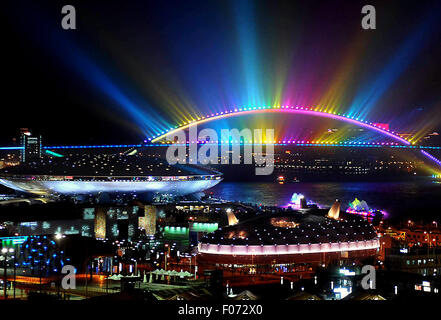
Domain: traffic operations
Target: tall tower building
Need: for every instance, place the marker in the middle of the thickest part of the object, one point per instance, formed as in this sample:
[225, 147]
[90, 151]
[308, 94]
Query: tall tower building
[100, 223]
[31, 146]
[148, 221]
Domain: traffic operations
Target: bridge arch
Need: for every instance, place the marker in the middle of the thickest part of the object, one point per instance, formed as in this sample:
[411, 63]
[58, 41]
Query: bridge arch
[283, 109]
[294, 110]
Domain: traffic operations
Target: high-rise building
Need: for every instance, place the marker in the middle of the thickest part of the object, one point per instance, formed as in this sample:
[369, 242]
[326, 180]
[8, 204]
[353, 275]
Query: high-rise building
[148, 221]
[31, 146]
[100, 223]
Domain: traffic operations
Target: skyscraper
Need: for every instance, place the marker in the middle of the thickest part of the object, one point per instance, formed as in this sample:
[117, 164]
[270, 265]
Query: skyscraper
[31, 146]
[148, 221]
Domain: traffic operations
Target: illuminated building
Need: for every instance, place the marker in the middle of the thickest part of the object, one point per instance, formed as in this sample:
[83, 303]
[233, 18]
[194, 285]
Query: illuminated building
[415, 261]
[37, 249]
[232, 220]
[148, 221]
[334, 212]
[361, 208]
[93, 174]
[186, 234]
[100, 223]
[31, 146]
[288, 238]
[298, 201]
[9, 160]
[315, 161]
[419, 235]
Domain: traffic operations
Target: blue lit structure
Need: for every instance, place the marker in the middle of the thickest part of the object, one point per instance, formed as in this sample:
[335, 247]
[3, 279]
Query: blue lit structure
[41, 256]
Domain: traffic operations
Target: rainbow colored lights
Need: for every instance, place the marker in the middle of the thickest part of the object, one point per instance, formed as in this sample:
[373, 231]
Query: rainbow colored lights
[298, 110]
[257, 62]
[366, 213]
[287, 109]
[317, 111]
[362, 209]
[302, 143]
[95, 146]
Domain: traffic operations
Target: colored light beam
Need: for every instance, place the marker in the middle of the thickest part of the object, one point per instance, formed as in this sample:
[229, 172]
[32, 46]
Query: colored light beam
[246, 28]
[96, 146]
[369, 94]
[73, 55]
[54, 154]
[146, 118]
[285, 109]
[11, 148]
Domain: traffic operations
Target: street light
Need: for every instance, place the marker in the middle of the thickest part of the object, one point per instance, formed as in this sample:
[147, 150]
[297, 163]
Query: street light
[166, 255]
[5, 253]
[11, 250]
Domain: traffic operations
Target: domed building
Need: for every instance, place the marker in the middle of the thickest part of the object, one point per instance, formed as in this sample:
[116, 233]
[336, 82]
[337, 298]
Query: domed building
[289, 237]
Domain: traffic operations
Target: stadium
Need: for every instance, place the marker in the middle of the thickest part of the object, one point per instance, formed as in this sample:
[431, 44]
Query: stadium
[92, 174]
[290, 237]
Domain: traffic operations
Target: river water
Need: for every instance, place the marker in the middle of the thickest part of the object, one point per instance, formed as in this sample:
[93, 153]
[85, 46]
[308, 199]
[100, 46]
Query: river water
[416, 200]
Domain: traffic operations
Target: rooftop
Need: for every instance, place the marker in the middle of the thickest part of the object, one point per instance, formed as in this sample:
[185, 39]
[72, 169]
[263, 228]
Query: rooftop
[105, 166]
[292, 228]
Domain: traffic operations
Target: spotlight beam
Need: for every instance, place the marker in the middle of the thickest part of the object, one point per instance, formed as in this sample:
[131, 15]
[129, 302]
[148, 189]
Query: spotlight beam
[285, 109]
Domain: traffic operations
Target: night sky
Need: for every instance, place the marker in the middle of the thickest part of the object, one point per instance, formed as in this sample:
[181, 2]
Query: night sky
[134, 68]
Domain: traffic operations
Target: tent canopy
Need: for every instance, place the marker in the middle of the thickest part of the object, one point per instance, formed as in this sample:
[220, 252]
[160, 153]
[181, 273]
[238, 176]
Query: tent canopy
[115, 277]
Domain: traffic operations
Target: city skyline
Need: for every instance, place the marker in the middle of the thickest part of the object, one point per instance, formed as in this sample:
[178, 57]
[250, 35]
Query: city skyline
[220, 155]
